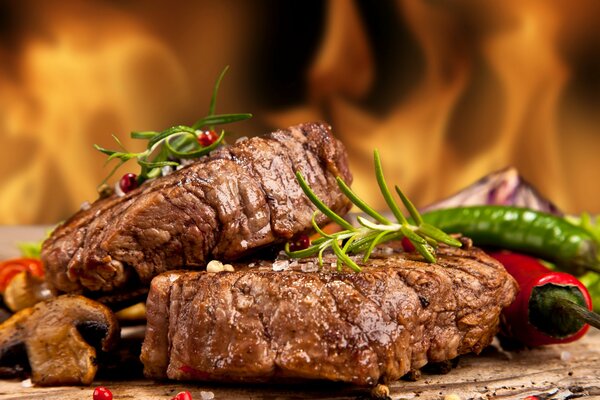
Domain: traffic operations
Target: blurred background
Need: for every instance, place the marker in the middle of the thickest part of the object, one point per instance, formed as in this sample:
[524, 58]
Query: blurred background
[448, 91]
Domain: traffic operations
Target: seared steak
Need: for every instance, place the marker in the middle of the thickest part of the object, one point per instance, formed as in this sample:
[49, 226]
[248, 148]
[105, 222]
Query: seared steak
[224, 206]
[257, 324]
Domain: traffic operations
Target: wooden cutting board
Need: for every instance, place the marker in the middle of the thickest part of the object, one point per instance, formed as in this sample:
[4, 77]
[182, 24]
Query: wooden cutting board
[555, 372]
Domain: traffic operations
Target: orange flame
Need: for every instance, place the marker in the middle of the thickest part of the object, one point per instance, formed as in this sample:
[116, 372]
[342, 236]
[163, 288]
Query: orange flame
[490, 96]
[496, 89]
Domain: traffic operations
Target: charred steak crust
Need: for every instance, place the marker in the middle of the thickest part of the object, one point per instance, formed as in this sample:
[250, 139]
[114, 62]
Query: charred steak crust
[257, 325]
[240, 198]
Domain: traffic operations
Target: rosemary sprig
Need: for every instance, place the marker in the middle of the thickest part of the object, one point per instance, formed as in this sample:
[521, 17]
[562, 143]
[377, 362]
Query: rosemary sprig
[364, 238]
[169, 147]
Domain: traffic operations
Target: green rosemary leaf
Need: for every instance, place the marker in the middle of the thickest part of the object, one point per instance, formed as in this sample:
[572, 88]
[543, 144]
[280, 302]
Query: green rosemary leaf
[195, 153]
[180, 147]
[348, 243]
[385, 191]
[438, 234]
[320, 256]
[378, 239]
[213, 99]
[220, 120]
[360, 203]
[343, 257]
[120, 144]
[320, 241]
[432, 242]
[105, 151]
[112, 172]
[149, 173]
[364, 239]
[412, 210]
[317, 228]
[309, 251]
[178, 141]
[361, 244]
[157, 164]
[320, 205]
[424, 251]
[412, 236]
[122, 156]
[143, 135]
[368, 224]
[168, 132]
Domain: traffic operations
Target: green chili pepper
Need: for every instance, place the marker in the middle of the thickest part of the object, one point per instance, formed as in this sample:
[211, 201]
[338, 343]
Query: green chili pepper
[549, 237]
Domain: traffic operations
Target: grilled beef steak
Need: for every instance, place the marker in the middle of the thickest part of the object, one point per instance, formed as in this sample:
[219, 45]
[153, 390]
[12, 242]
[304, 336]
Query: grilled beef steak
[257, 324]
[240, 198]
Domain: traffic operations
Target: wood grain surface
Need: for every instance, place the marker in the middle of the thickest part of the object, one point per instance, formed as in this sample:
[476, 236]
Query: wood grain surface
[554, 372]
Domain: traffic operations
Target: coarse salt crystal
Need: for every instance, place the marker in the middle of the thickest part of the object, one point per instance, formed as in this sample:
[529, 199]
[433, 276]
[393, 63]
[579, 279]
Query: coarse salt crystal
[282, 255]
[281, 265]
[207, 395]
[26, 383]
[118, 191]
[566, 356]
[387, 251]
[85, 206]
[166, 170]
[309, 267]
[186, 161]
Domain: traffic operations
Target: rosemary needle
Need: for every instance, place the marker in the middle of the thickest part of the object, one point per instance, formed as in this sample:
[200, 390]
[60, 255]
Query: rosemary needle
[169, 147]
[365, 237]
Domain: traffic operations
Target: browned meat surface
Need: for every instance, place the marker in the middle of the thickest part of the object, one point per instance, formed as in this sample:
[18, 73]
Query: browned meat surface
[257, 324]
[240, 198]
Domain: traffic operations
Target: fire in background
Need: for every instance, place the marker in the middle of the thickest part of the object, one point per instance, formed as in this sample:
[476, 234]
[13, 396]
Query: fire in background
[447, 91]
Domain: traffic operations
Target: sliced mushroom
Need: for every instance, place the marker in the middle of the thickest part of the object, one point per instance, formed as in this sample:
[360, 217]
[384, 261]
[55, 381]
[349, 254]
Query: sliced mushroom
[24, 290]
[57, 353]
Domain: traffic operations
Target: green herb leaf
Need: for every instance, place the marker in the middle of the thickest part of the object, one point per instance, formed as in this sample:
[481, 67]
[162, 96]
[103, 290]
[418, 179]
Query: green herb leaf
[385, 191]
[360, 203]
[213, 100]
[320, 205]
[365, 237]
[220, 119]
[177, 142]
[143, 135]
[195, 153]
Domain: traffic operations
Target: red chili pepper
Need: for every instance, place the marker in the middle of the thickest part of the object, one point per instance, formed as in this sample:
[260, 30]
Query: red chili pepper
[10, 268]
[551, 307]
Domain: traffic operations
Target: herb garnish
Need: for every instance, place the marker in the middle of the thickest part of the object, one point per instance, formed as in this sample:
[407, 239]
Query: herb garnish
[363, 239]
[173, 144]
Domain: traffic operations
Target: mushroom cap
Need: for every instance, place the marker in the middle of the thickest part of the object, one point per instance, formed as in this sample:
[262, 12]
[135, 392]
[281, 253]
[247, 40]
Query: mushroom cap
[57, 353]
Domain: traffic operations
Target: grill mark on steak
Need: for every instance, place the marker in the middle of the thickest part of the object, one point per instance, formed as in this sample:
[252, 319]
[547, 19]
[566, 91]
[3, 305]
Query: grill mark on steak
[259, 325]
[238, 199]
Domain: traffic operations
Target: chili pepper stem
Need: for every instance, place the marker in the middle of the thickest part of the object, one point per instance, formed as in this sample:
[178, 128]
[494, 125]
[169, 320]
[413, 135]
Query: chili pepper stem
[593, 268]
[587, 316]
